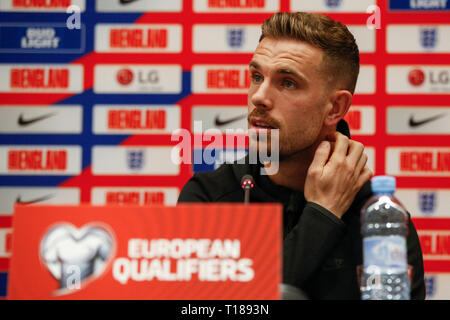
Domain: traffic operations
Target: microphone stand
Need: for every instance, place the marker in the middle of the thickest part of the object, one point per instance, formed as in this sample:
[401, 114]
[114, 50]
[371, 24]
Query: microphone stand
[247, 183]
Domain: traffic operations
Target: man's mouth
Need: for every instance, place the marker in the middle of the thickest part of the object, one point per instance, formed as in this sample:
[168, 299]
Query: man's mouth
[258, 123]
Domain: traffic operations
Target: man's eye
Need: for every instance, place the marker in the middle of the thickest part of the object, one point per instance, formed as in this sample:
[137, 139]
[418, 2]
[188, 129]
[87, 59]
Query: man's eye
[288, 83]
[256, 78]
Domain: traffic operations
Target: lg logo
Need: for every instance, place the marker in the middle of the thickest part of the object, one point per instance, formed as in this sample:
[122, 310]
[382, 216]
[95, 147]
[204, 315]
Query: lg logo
[417, 77]
[151, 76]
[441, 77]
[126, 76]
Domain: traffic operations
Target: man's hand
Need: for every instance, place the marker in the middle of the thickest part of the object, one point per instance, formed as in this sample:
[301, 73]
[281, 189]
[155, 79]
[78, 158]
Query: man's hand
[333, 182]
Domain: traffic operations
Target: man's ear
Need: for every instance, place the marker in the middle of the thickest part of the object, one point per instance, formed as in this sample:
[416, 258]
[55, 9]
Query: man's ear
[341, 101]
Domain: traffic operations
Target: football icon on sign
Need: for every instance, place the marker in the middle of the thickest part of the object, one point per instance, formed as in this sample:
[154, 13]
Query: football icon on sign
[74, 255]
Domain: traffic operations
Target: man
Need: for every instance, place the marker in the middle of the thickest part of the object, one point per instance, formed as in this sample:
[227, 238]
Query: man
[304, 74]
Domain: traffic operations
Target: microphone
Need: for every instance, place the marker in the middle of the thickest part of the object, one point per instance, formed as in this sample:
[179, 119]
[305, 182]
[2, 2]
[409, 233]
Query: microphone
[247, 183]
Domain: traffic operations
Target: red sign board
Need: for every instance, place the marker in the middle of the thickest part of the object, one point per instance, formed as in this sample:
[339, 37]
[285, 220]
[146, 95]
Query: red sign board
[217, 251]
[434, 236]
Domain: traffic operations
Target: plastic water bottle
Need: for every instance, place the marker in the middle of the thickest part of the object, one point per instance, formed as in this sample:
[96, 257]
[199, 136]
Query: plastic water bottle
[384, 227]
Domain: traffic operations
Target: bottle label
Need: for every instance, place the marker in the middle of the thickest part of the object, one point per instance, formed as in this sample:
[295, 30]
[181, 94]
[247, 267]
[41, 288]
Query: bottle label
[385, 252]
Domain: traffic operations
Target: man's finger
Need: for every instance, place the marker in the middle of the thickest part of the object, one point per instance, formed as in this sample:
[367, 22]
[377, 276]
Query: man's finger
[320, 157]
[340, 148]
[355, 152]
[361, 163]
[365, 176]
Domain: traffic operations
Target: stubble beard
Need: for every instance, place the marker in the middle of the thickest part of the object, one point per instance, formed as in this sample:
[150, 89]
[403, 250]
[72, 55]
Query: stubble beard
[289, 149]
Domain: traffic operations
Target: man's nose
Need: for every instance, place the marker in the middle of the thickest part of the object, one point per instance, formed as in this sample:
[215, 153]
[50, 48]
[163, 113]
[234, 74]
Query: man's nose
[262, 96]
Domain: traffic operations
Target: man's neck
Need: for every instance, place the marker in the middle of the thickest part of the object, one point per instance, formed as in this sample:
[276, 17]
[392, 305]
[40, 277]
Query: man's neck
[292, 170]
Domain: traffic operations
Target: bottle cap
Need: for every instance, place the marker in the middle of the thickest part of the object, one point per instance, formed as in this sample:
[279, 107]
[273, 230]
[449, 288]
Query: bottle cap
[383, 184]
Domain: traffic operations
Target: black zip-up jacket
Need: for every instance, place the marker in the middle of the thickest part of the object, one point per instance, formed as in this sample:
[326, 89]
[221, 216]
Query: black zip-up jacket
[320, 251]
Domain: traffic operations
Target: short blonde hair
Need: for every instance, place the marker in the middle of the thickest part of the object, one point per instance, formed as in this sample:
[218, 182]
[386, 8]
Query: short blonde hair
[341, 54]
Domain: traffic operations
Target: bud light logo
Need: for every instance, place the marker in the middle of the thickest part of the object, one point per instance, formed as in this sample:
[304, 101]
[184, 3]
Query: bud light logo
[416, 77]
[428, 38]
[430, 286]
[135, 159]
[419, 5]
[50, 38]
[427, 202]
[235, 37]
[74, 255]
[333, 3]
